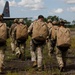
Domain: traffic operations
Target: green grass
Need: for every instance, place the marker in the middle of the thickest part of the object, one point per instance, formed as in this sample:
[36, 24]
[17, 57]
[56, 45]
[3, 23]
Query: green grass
[46, 59]
[72, 42]
[9, 73]
[72, 29]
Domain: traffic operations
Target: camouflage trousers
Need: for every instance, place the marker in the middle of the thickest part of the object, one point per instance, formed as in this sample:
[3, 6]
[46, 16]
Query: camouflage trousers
[20, 47]
[36, 53]
[13, 44]
[61, 56]
[2, 55]
[50, 46]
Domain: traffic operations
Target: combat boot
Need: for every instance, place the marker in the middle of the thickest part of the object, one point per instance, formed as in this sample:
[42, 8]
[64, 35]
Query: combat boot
[34, 64]
[62, 69]
[39, 69]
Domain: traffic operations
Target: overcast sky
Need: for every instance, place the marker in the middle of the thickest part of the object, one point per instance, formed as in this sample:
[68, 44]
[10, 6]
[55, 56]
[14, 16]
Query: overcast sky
[32, 8]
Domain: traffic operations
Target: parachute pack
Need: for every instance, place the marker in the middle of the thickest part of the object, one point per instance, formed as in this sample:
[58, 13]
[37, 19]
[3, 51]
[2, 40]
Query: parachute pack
[3, 32]
[63, 37]
[21, 32]
[54, 32]
[40, 31]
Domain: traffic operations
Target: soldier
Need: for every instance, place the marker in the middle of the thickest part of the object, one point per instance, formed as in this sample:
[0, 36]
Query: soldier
[48, 41]
[49, 23]
[37, 42]
[20, 35]
[3, 37]
[52, 37]
[13, 45]
[62, 45]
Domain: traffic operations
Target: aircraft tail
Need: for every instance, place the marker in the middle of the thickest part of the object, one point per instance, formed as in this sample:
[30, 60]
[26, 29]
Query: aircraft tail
[6, 11]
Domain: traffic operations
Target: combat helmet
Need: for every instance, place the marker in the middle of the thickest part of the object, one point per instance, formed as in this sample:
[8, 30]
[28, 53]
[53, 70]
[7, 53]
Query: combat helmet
[21, 21]
[62, 21]
[15, 20]
[54, 22]
[49, 20]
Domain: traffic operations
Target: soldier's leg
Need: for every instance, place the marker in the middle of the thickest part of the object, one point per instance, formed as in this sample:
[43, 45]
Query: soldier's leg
[59, 58]
[22, 49]
[39, 57]
[13, 45]
[64, 52]
[53, 45]
[49, 47]
[2, 54]
[17, 50]
[33, 54]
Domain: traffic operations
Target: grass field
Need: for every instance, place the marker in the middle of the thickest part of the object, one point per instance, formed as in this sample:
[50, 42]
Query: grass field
[50, 63]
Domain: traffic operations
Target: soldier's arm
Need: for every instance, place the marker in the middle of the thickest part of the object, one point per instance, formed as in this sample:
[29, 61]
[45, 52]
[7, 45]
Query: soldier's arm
[14, 33]
[30, 29]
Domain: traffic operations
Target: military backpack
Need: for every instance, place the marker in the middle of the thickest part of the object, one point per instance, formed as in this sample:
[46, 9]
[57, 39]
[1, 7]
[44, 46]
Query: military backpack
[3, 32]
[63, 37]
[54, 32]
[40, 31]
[21, 32]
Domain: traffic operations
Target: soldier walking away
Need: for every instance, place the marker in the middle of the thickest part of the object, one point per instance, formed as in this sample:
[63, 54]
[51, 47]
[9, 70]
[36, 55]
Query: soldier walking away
[39, 32]
[3, 38]
[63, 44]
[21, 35]
[49, 23]
[52, 36]
[48, 41]
[13, 42]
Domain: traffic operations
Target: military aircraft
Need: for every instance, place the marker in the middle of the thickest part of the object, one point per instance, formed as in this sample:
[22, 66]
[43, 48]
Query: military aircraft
[6, 13]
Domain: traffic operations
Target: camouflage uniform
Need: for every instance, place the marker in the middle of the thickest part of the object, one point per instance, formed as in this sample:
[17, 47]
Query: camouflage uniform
[20, 44]
[2, 49]
[48, 41]
[20, 48]
[61, 53]
[2, 55]
[13, 42]
[52, 41]
[36, 49]
[61, 56]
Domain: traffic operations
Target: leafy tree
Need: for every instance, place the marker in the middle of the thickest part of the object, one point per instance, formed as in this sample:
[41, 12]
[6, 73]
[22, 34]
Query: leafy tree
[73, 22]
[27, 21]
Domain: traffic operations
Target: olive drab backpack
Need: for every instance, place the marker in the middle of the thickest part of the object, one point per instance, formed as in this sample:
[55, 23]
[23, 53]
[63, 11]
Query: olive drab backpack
[54, 32]
[21, 32]
[3, 32]
[40, 31]
[63, 37]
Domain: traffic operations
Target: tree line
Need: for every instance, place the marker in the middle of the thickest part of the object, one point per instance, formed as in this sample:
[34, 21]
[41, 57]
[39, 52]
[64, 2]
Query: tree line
[29, 21]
